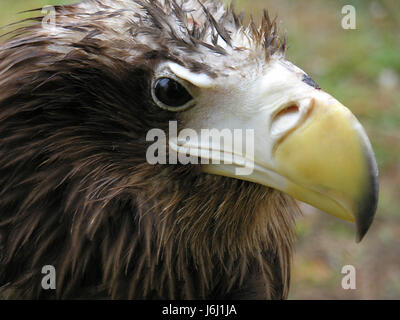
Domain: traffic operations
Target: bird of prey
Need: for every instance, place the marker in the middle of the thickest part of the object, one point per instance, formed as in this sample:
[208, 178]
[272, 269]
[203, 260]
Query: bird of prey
[80, 94]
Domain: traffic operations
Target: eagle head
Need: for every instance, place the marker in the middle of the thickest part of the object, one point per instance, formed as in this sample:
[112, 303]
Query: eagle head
[102, 175]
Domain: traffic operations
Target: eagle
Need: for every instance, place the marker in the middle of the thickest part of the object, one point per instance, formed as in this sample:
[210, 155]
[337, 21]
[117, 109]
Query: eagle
[79, 98]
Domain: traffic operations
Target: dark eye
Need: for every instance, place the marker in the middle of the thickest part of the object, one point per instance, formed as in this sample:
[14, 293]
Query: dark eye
[310, 82]
[172, 95]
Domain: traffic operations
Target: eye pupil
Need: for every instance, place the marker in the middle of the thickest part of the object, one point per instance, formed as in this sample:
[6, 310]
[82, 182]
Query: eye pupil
[171, 93]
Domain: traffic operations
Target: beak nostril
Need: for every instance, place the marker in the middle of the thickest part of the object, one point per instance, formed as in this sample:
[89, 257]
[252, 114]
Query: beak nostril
[291, 109]
[285, 120]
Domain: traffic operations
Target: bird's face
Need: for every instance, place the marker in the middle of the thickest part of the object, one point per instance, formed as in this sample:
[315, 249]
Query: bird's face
[207, 70]
[303, 141]
[76, 104]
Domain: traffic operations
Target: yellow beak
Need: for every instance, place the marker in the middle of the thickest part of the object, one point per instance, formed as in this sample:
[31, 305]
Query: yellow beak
[305, 143]
[330, 165]
[325, 160]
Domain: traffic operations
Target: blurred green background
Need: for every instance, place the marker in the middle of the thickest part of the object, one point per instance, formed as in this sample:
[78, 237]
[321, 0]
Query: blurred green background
[361, 68]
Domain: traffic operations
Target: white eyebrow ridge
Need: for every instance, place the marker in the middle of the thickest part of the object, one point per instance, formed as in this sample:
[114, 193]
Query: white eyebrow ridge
[200, 80]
